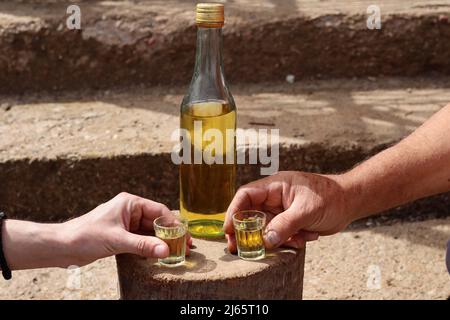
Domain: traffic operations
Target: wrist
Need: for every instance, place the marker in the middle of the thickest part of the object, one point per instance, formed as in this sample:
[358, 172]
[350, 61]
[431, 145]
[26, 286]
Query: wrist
[71, 239]
[51, 241]
[351, 193]
[60, 235]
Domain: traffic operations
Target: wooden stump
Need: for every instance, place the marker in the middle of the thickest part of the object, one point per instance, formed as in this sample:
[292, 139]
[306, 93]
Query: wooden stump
[211, 272]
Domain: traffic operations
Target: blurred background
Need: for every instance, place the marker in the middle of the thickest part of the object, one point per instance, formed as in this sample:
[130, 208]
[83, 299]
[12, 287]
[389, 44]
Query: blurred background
[88, 112]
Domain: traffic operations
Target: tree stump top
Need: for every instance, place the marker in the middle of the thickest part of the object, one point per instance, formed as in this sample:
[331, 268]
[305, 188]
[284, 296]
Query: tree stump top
[211, 272]
[210, 260]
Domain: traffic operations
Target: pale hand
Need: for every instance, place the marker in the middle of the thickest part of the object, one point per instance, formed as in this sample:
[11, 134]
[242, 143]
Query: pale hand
[121, 225]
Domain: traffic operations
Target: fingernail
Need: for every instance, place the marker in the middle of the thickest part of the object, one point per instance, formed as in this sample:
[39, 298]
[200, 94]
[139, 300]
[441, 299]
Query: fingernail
[273, 238]
[159, 251]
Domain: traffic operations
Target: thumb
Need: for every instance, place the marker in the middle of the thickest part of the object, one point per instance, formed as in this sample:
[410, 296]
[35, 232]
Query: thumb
[145, 246]
[283, 226]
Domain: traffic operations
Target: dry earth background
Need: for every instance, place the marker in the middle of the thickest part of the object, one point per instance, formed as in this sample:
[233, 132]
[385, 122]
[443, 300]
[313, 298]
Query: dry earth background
[409, 257]
[87, 114]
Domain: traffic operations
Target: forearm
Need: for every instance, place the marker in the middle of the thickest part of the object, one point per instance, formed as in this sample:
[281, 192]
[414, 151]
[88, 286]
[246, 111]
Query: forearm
[34, 245]
[416, 167]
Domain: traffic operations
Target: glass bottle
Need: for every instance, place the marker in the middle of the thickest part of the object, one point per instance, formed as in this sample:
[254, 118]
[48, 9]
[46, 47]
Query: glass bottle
[208, 116]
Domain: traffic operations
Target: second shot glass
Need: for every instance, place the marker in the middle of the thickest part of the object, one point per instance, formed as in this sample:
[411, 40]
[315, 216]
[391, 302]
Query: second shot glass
[172, 230]
[249, 226]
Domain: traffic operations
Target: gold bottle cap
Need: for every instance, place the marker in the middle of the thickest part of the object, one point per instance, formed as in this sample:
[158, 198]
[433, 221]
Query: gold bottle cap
[210, 15]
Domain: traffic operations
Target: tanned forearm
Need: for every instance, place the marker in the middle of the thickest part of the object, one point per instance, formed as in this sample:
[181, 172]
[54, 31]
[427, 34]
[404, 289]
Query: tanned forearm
[416, 167]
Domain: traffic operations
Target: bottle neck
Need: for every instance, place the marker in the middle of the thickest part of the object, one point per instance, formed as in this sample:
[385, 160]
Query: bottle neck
[208, 60]
[208, 81]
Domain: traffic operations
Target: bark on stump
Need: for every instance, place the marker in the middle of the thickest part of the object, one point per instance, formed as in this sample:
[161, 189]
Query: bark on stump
[211, 272]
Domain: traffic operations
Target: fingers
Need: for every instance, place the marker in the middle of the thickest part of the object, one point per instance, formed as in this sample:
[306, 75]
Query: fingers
[141, 212]
[232, 246]
[298, 241]
[152, 210]
[308, 235]
[247, 197]
[145, 246]
[188, 243]
[283, 226]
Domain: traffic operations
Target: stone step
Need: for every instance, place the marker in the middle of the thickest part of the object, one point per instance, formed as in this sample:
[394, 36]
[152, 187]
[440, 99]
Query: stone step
[61, 155]
[153, 42]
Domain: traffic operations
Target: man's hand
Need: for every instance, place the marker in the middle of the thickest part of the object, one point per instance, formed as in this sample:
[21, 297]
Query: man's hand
[121, 225]
[299, 206]
[302, 206]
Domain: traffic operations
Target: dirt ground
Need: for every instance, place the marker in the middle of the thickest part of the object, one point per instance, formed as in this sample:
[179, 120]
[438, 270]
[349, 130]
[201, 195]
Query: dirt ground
[58, 149]
[82, 124]
[62, 154]
[153, 42]
[403, 261]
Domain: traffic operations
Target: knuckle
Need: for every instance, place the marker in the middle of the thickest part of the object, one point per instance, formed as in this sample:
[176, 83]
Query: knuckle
[240, 195]
[123, 196]
[242, 190]
[284, 219]
[160, 208]
[141, 245]
[319, 205]
[288, 174]
[163, 207]
[286, 222]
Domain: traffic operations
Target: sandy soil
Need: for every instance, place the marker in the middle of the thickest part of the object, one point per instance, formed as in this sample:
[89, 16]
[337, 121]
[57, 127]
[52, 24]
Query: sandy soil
[83, 124]
[153, 42]
[62, 154]
[403, 261]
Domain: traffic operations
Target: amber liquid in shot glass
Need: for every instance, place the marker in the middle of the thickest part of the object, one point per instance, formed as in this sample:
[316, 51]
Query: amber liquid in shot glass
[249, 227]
[172, 230]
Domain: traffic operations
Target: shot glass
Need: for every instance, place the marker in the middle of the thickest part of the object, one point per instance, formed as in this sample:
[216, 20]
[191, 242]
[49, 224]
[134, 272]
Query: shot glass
[249, 226]
[172, 230]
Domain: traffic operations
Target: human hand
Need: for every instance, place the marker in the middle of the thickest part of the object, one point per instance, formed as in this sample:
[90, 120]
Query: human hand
[121, 225]
[299, 207]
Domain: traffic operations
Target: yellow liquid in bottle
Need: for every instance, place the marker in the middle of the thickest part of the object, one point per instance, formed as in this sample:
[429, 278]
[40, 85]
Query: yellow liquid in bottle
[206, 190]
